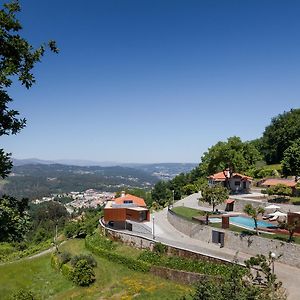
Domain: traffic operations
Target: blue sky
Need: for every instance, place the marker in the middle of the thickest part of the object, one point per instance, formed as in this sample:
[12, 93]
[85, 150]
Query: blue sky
[157, 80]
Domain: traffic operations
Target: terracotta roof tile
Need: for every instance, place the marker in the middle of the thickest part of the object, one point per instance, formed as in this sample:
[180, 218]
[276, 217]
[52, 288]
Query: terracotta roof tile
[275, 181]
[221, 177]
[136, 200]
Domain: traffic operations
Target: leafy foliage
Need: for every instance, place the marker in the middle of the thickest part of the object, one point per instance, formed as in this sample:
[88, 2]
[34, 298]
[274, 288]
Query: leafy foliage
[253, 212]
[161, 193]
[23, 294]
[280, 134]
[65, 257]
[45, 216]
[280, 190]
[190, 265]
[238, 287]
[83, 274]
[291, 159]
[160, 248]
[17, 59]
[273, 289]
[93, 243]
[290, 227]
[214, 195]
[89, 259]
[14, 219]
[234, 154]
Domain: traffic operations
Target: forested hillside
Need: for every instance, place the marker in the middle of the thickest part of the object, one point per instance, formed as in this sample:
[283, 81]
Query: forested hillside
[37, 180]
[275, 154]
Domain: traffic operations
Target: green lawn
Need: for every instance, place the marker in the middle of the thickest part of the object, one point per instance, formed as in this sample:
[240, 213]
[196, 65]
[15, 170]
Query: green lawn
[36, 275]
[295, 200]
[187, 212]
[113, 281]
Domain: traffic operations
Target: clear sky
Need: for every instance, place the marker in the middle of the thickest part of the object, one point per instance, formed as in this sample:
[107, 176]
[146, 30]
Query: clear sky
[155, 80]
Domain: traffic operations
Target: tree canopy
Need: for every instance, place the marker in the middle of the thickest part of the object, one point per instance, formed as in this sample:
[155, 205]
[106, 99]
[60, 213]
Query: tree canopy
[253, 212]
[14, 220]
[17, 59]
[291, 159]
[280, 134]
[214, 195]
[234, 154]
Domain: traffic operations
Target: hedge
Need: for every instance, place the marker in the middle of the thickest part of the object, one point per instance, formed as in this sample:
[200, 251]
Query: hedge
[66, 269]
[131, 263]
[185, 264]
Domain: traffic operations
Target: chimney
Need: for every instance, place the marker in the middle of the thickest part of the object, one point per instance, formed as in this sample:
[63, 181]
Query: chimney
[228, 173]
[123, 194]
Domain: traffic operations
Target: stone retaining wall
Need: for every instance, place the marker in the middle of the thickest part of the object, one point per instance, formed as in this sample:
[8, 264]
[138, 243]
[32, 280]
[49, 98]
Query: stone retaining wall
[178, 275]
[250, 244]
[141, 242]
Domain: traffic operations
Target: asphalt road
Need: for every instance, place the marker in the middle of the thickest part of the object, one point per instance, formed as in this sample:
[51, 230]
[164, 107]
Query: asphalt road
[165, 232]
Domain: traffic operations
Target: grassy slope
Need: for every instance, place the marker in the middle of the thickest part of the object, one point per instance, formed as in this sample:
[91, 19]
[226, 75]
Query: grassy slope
[114, 281]
[187, 212]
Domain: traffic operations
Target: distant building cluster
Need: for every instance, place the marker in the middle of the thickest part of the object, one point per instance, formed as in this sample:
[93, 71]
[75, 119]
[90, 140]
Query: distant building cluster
[87, 199]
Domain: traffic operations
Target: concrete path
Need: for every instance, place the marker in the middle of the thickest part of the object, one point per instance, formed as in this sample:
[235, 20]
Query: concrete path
[165, 232]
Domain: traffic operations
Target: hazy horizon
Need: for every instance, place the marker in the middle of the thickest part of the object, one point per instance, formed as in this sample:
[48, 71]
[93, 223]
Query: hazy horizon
[154, 81]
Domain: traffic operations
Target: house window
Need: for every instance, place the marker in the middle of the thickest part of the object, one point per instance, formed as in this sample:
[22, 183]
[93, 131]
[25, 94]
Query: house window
[237, 183]
[127, 201]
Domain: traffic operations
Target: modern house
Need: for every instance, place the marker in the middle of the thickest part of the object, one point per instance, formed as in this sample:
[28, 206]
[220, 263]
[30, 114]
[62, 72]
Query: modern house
[126, 207]
[275, 181]
[236, 182]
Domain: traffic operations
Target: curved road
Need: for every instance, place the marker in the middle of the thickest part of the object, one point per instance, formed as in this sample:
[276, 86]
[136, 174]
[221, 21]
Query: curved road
[165, 232]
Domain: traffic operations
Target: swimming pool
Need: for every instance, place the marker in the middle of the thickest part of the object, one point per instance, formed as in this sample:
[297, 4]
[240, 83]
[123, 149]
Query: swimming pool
[243, 222]
[248, 222]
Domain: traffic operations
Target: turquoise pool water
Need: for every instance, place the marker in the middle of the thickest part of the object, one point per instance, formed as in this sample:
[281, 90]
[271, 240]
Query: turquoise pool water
[247, 222]
[243, 222]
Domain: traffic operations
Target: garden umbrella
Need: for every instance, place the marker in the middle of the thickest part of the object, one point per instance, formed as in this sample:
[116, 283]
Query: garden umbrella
[272, 206]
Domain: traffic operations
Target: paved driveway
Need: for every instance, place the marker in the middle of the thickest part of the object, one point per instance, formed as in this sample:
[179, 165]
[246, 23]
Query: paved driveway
[165, 232]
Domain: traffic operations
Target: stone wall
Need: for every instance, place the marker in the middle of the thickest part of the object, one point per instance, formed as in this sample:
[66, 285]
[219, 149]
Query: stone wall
[142, 242]
[177, 275]
[250, 244]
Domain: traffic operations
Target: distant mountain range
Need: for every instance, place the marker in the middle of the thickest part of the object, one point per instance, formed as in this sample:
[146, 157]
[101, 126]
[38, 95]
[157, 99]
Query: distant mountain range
[160, 170]
[34, 178]
[87, 163]
[69, 162]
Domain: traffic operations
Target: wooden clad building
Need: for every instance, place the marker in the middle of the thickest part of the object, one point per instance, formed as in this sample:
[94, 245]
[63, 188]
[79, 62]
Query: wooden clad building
[126, 207]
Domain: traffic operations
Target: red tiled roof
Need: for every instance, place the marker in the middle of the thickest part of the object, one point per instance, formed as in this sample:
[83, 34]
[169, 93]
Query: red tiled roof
[229, 201]
[136, 200]
[275, 181]
[221, 177]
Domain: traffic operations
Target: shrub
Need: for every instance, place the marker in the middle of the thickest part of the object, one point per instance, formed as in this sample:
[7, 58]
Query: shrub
[22, 295]
[89, 258]
[71, 229]
[55, 262]
[115, 257]
[83, 274]
[102, 242]
[160, 248]
[67, 271]
[185, 264]
[280, 190]
[65, 257]
[6, 248]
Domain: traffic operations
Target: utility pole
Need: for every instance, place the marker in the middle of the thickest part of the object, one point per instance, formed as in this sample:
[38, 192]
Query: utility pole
[55, 237]
[153, 232]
